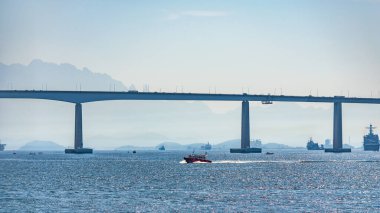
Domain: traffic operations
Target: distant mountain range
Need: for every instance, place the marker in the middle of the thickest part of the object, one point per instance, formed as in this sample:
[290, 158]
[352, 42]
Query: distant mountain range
[40, 75]
[41, 146]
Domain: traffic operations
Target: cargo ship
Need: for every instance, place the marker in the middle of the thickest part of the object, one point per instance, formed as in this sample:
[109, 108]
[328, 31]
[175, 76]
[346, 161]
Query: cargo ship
[371, 141]
[2, 146]
[311, 145]
[206, 146]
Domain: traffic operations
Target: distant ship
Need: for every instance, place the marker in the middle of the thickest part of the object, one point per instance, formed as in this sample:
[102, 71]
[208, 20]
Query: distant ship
[196, 158]
[206, 146]
[162, 148]
[371, 141]
[311, 145]
[2, 146]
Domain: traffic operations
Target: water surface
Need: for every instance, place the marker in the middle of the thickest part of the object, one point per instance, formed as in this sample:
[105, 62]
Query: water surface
[159, 181]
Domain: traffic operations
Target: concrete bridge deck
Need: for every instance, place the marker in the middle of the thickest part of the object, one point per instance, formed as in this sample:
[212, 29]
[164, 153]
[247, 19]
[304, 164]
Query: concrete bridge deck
[92, 96]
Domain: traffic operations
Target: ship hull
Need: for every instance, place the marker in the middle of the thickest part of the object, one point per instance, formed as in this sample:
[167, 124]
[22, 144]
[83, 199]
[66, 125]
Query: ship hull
[315, 148]
[374, 147]
[195, 160]
[371, 141]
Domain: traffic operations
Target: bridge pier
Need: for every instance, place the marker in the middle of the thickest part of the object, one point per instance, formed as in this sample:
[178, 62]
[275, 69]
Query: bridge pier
[338, 130]
[78, 138]
[245, 136]
[78, 134]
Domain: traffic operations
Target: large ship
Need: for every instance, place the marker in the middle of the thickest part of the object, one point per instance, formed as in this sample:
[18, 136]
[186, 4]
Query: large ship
[206, 146]
[371, 141]
[311, 145]
[2, 146]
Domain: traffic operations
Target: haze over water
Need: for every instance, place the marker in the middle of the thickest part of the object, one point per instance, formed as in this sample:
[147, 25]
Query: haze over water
[154, 181]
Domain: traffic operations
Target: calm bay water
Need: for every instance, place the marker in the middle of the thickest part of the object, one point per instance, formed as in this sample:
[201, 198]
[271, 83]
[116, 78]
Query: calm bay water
[288, 181]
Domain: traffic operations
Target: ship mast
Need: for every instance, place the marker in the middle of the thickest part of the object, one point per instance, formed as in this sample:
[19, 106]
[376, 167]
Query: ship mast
[371, 128]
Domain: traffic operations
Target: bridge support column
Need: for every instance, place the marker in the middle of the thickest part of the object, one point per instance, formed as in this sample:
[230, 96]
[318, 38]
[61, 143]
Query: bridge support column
[78, 134]
[338, 130]
[245, 137]
[245, 130]
[78, 139]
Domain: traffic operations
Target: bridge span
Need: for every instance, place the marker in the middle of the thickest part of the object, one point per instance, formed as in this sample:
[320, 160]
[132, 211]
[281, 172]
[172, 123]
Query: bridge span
[80, 97]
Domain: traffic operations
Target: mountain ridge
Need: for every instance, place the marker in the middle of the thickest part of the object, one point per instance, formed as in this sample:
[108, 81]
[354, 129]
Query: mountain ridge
[63, 76]
[38, 145]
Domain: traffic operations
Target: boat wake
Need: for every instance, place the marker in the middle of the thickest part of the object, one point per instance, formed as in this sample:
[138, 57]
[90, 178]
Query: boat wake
[241, 161]
[252, 161]
[339, 161]
[197, 162]
[237, 161]
[281, 161]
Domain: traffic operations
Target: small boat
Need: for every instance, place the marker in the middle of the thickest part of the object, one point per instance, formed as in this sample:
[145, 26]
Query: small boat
[192, 158]
[162, 148]
[269, 153]
[134, 151]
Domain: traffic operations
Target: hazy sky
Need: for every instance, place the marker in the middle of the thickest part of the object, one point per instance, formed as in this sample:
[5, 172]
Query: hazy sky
[328, 46]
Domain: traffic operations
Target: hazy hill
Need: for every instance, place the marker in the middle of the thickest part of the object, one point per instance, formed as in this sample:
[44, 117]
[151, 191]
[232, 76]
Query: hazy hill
[236, 144]
[172, 146]
[42, 146]
[276, 146]
[168, 146]
[197, 146]
[227, 144]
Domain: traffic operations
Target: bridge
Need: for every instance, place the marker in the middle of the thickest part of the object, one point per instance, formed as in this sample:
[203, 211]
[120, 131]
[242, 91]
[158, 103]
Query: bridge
[80, 97]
